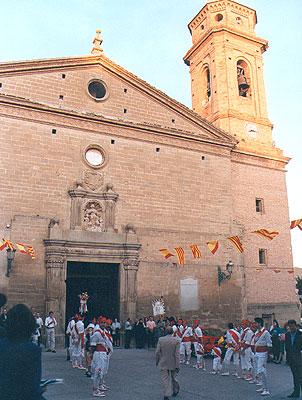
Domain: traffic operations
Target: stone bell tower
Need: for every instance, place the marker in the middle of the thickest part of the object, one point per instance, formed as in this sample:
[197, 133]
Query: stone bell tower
[226, 68]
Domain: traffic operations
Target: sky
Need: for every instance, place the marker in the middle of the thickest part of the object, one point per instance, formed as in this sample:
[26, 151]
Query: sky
[150, 37]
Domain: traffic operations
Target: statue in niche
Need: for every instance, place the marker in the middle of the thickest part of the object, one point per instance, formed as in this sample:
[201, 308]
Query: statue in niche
[93, 217]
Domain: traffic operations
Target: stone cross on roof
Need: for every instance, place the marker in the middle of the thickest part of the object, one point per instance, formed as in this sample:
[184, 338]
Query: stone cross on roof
[97, 43]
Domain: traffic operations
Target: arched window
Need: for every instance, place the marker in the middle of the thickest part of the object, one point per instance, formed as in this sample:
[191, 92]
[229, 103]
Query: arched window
[243, 78]
[206, 85]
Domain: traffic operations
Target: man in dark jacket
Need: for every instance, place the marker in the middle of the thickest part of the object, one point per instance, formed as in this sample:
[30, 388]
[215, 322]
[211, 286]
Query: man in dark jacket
[293, 345]
[2, 320]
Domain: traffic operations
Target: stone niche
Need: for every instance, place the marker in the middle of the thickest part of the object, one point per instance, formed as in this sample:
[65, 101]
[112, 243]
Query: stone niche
[92, 210]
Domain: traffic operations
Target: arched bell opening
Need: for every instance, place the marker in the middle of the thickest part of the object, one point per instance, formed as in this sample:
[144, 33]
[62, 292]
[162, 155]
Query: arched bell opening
[243, 79]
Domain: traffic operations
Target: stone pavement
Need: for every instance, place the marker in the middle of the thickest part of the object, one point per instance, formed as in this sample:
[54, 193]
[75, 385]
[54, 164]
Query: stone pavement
[133, 376]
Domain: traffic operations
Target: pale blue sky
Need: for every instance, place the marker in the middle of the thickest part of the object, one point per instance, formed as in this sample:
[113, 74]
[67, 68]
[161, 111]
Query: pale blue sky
[150, 37]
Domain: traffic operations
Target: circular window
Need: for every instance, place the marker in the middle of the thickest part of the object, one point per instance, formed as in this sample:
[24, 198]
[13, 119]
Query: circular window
[97, 89]
[94, 156]
[219, 17]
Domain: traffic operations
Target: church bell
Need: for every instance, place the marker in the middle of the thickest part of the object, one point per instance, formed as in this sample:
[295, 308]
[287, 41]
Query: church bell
[242, 82]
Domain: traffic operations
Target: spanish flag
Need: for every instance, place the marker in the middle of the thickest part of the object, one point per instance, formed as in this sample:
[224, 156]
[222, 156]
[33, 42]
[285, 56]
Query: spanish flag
[166, 253]
[213, 246]
[236, 242]
[180, 255]
[31, 252]
[195, 251]
[296, 223]
[266, 234]
[21, 248]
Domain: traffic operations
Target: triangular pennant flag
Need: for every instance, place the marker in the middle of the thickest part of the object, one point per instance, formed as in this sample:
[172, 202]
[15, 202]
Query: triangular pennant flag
[236, 242]
[296, 223]
[266, 234]
[21, 248]
[213, 246]
[180, 255]
[195, 251]
[31, 252]
[259, 269]
[277, 270]
[290, 271]
[166, 253]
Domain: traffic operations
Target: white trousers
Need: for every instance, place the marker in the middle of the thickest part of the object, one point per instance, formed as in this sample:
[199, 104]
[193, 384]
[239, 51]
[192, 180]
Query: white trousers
[99, 368]
[185, 350]
[246, 359]
[227, 359]
[217, 364]
[50, 339]
[76, 352]
[261, 360]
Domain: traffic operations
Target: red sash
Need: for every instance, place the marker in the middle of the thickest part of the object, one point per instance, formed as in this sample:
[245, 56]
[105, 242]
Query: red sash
[217, 351]
[101, 348]
[186, 339]
[236, 338]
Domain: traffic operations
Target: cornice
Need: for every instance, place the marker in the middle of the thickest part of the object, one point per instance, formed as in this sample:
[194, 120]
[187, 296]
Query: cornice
[212, 31]
[250, 158]
[23, 109]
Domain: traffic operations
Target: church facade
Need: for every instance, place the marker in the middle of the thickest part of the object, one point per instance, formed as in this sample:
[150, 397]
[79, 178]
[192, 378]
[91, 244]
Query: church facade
[100, 171]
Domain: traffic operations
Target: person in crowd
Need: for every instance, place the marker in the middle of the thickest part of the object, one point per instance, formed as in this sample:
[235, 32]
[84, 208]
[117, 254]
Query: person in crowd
[246, 353]
[77, 343]
[217, 358]
[69, 329]
[186, 341]
[116, 332]
[293, 345]
[282, 344]
[168, 360]
[151, 325]
[101, 348]
[140, 334]
[88, 354]
[128, 333]
[275, 332]
[263, 344]
[232, 338]
[50, 325]
[20, 361]
[160, 329]
[40, 324]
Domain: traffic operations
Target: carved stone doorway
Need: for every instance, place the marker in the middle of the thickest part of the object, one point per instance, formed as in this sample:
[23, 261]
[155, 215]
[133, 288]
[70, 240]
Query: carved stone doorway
[100, 281]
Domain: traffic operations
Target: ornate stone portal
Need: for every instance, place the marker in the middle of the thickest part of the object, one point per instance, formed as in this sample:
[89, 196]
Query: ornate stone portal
[92, 237]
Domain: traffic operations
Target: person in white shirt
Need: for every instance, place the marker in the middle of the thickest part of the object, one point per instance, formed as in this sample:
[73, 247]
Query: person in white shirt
[77, 343]
[185, 345]
[233, 343]
[263, 342]
[40, 324]
[69, 329]
[246, 353]
[116, 328]
[198, 344]
[50, 324]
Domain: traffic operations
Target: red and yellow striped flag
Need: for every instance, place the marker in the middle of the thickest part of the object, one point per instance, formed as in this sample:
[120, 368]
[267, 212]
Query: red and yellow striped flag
[296, 223]
[180, 255]
[21, 248]
[6, 243]
[266, 234]
[166, 253]
[236, 242]
[213, 246]
[31, 252]
[3, 244]
[195, 251]
[277, 270]
[290, 271]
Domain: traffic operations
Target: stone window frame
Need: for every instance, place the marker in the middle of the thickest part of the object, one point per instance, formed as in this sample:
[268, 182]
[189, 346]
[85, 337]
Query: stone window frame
[265, 256]
[259, 202]
[99, 148]
[97, 79]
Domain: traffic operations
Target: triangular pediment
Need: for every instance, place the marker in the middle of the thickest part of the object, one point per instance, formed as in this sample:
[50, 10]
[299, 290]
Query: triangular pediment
[62, 83]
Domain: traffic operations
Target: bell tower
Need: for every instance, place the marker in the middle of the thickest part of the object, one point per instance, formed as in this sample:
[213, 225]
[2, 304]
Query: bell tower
[226, 68]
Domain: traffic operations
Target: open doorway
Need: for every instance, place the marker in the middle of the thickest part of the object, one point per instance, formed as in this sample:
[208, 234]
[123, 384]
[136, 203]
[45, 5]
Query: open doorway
[100, 281]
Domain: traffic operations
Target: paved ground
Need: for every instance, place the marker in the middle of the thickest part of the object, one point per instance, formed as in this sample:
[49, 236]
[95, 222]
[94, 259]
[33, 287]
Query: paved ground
[133, 376]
